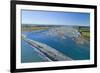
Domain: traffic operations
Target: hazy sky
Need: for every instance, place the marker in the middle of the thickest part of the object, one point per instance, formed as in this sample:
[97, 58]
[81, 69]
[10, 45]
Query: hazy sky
[55, 18]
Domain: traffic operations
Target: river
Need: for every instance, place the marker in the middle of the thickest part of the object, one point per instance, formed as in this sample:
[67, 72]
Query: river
[63, 43]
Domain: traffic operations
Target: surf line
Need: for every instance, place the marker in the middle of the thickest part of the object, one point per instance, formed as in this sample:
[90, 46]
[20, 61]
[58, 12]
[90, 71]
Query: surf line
[50, 53]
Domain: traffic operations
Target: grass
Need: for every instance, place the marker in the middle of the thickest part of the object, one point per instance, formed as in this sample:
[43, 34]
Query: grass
[85, 32]
[32, 28]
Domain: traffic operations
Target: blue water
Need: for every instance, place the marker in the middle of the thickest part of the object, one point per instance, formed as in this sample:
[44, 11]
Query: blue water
[28, 54]
[67, 46]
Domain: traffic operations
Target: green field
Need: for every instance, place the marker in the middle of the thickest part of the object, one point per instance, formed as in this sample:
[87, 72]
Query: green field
[32, 28]
[85, 32]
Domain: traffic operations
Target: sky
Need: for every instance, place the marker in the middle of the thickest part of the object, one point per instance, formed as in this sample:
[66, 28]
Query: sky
[54, 18]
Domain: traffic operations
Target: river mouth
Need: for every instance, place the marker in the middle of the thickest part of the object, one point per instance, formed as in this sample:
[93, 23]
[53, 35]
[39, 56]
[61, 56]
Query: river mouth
[69, 40]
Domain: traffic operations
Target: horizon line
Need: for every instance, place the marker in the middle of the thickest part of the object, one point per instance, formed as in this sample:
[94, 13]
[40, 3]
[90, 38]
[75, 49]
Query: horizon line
[51, 24]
